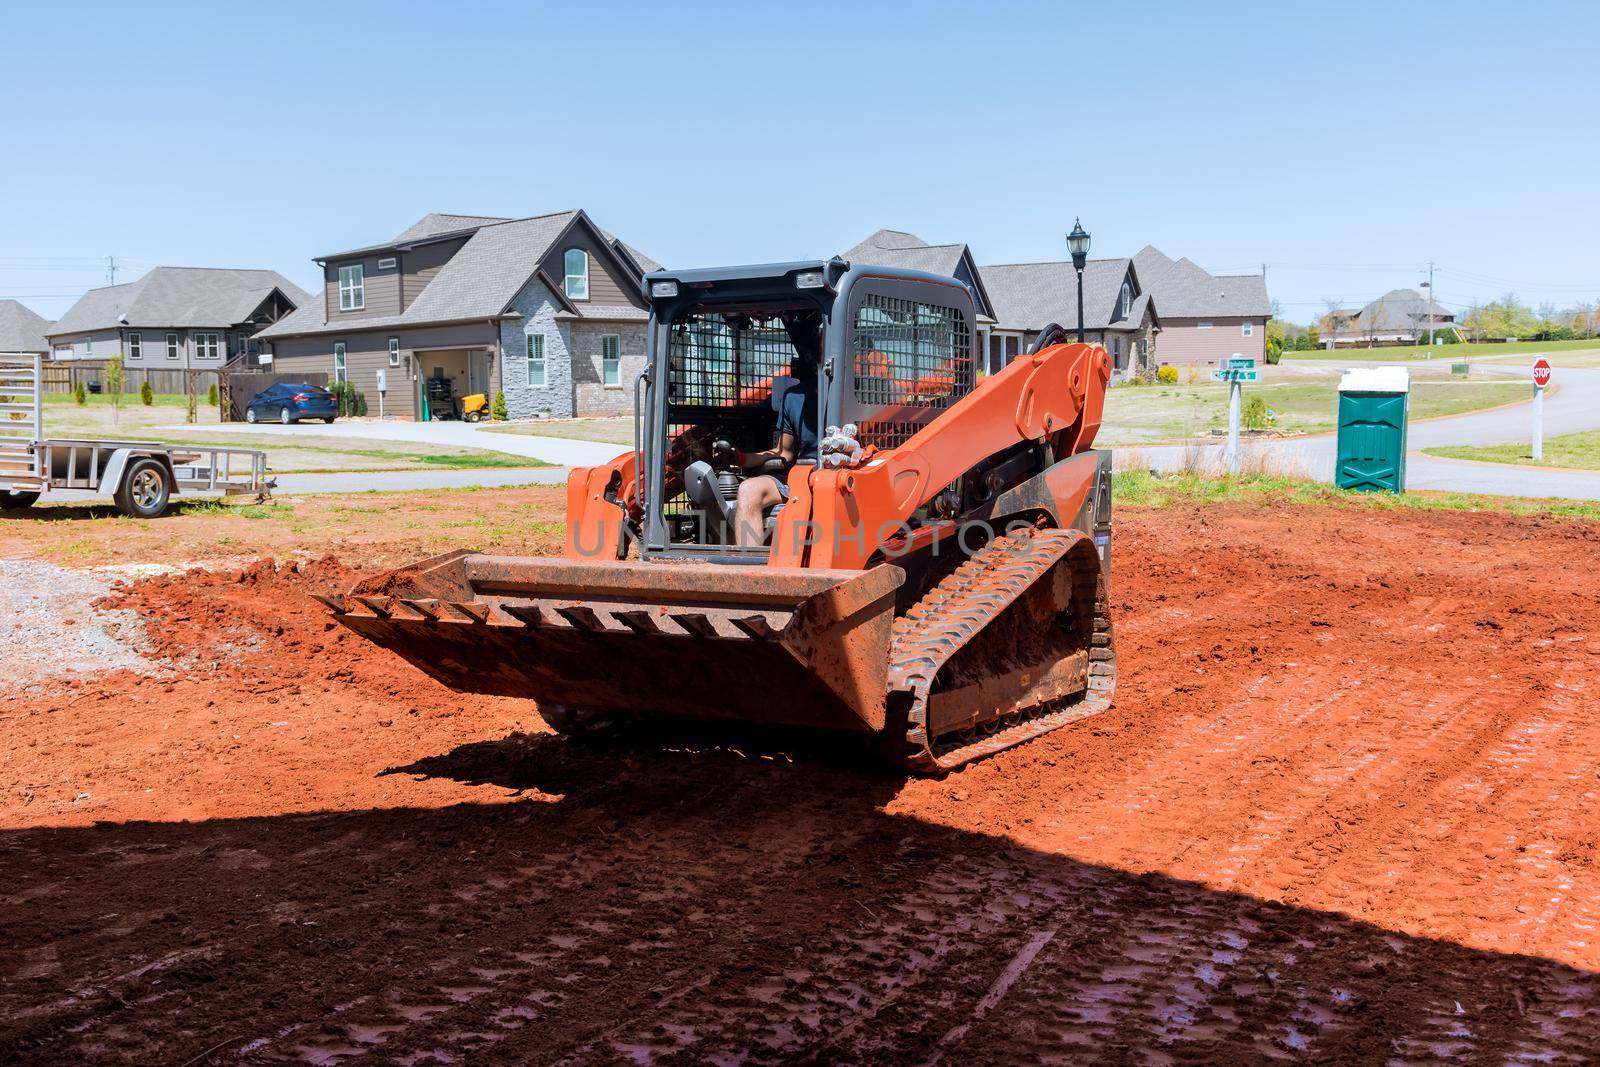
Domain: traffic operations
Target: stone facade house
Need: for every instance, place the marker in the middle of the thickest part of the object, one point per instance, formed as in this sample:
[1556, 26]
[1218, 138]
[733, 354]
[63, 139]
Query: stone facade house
[1205, 317]
[175, 319]
[548, 309]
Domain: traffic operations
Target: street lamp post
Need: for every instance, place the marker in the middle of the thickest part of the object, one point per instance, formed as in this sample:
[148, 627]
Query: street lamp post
[1078, 245]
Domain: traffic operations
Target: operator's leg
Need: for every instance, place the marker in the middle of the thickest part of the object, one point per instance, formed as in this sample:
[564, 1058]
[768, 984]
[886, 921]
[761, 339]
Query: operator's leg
[756, 495]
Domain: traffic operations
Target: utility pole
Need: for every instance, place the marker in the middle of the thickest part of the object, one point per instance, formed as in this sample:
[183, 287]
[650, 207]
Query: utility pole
[1430, 308]
[111, 270]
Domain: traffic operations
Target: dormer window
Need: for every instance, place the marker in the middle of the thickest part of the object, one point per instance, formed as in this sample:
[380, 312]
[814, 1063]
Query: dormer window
[577, 266]
[1127, 300]
[352, 288]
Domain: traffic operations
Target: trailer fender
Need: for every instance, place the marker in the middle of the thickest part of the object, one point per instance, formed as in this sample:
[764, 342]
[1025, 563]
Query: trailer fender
[117, 465]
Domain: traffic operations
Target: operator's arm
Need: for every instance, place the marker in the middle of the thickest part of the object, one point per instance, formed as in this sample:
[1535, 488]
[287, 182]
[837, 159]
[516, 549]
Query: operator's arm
[788, 448]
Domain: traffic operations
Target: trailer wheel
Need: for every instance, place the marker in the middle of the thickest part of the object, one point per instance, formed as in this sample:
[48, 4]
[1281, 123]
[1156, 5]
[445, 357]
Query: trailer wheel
[17, 499]
[145, 490]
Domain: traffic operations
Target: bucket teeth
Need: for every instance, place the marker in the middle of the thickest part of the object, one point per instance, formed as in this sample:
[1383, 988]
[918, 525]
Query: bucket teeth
[640, 622]
[581, 617]
[472, 612]
[695, 624]
[527, 614]
[426, 609]
[378, 605]
[333, 603]
[755, 626]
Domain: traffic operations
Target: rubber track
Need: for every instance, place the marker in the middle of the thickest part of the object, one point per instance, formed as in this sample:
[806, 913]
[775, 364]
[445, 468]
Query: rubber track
[956, 610]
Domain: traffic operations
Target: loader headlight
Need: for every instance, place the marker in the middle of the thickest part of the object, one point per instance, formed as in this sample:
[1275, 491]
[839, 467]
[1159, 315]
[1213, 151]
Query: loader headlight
[664, 289]
[809, 279]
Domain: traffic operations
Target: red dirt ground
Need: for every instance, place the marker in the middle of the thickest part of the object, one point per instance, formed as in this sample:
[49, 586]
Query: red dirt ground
[1344, 809]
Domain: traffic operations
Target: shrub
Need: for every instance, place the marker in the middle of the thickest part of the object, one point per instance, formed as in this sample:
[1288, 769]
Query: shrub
[147, 395]
[1167, 375]
[497, 410]
[81, 395]
[211, 395]
[1256, 414]
[1274, 353]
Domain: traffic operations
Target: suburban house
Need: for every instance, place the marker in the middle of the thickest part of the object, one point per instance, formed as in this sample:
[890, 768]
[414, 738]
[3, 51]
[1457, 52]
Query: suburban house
[175, 318]
[1016, 301]
[1205, 317]
[22, 331]
[1117, 312]
[1398, 317]
[549, 310]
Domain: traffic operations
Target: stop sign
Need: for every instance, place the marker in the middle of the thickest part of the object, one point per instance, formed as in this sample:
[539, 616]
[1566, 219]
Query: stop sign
[1541, 372]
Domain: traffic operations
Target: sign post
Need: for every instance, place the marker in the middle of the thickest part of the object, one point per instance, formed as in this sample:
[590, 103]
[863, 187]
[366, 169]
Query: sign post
[1235, 370]
[1541, 378]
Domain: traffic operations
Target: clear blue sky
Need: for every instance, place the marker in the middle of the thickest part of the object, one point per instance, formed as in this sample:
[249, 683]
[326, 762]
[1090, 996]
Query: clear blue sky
[1345, 146]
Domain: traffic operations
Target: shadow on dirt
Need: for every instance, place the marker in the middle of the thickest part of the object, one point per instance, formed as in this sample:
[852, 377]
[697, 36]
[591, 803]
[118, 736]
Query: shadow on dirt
[690, 906]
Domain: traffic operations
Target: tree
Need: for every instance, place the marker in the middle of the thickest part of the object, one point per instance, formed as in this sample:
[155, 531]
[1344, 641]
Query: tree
[80, 394]
[147, 395]
[114, 383]
[497, 410]
[211, 395]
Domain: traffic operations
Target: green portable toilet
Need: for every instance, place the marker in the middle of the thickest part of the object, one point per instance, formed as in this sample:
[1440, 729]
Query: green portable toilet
[1373, 403]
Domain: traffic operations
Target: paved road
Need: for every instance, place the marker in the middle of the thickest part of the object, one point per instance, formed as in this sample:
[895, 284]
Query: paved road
[557, 450]
[1573, 407]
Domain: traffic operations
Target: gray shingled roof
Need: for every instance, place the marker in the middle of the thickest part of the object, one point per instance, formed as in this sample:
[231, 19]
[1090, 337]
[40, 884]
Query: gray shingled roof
[21, 330]
[896, 248]
[1184, 290]
[433, 224]
[1397, 311]
[178, 296]
[478, 282]
[1029, 296]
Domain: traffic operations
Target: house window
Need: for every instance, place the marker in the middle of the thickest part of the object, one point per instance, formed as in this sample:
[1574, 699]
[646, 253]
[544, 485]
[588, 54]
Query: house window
[1127, 300]
[207, 345]
[172, 346]
[135, 346]
[386, 263]
[577, 274]
[1205, 326]
[536, 359]
[394, 351]
[340, 374]
[88, 348]
[352, 288]
[611, 359]
[1247, 329]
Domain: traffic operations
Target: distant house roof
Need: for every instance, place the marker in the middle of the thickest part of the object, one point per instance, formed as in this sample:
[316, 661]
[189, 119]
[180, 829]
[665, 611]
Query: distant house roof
[178, 297]
[1399, 311]
[1030, 296]
[21, 330]
[896, 248]
[478, 282]
[1184, 290]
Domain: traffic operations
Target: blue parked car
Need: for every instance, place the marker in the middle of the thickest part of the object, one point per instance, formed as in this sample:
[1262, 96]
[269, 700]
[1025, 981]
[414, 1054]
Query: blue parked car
[288, 403]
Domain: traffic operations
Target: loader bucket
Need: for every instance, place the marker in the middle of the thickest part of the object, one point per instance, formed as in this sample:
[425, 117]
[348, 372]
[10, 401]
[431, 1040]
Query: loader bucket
[753, 643]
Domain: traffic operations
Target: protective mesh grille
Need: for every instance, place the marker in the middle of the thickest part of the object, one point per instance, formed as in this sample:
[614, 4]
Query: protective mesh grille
[714, 364]
[913, 359]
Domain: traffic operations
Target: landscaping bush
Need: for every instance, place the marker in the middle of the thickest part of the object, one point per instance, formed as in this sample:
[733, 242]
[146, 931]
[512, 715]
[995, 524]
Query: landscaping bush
[147, 395]
[1255, 414]
[1167, 375]
[211, 395]
[497, 410]
[1274, 353]
[81, 395]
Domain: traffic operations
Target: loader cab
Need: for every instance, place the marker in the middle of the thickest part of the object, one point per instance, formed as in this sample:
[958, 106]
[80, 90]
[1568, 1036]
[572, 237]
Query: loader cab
[884, 349]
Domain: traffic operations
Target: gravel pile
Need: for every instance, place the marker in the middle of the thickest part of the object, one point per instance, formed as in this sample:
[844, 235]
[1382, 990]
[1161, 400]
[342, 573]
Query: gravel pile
[49, 626]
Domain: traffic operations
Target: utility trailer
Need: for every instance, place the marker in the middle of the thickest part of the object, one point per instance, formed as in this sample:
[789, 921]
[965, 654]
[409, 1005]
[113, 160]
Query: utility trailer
[141, 477]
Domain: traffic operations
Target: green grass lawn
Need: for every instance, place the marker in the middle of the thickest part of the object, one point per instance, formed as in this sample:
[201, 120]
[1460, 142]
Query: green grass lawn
[1579, 451]
[1138, 415]
[613, 430]
[1470, 350]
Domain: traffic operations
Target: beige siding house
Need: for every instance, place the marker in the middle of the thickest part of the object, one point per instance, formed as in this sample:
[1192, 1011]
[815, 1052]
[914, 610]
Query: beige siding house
[548, 309]
[1205, 317]
[175, 319]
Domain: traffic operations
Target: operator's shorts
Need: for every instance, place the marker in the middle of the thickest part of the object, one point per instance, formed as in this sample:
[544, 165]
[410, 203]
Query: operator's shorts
[783, 485]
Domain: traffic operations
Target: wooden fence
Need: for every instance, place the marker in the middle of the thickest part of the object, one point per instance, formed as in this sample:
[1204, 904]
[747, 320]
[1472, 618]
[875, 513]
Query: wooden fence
[64, 378]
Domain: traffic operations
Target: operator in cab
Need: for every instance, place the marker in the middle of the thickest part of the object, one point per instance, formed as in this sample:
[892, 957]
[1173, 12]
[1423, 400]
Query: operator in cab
[797, 443]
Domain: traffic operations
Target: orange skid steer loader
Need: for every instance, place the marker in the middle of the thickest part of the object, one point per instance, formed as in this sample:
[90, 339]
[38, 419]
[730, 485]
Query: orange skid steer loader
[934, 574]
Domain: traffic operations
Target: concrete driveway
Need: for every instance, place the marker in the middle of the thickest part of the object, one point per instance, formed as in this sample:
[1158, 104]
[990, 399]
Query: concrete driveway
[1572, 407]
[557, 450]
